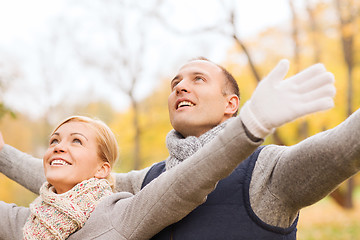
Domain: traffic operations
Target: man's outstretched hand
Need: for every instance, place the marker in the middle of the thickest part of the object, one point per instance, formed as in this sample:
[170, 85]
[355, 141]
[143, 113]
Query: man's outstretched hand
[276, 101]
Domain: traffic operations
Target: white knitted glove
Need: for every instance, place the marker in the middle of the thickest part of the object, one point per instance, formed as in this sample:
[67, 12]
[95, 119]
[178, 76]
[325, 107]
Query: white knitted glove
[276, 101]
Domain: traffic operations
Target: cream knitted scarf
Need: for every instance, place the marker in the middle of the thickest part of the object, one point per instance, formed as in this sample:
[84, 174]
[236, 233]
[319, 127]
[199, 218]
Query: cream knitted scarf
[181, 148]
[56, 216]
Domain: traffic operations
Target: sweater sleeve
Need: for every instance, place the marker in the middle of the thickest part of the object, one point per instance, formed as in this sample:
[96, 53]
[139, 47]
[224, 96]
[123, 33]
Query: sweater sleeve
[13, 219]
[131, 181]
[22, 168]
[175, 193]
[286, 179]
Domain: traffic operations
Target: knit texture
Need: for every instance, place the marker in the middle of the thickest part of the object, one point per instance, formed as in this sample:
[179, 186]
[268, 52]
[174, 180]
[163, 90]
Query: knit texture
[181, 148]
[56, 216]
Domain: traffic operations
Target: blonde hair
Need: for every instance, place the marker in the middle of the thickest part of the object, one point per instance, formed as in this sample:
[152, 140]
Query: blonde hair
[108, 149]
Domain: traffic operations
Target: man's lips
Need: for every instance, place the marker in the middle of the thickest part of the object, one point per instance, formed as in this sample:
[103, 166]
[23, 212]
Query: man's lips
[184, 103]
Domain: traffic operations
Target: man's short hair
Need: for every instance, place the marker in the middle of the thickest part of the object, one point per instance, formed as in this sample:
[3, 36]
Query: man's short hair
[231, 86]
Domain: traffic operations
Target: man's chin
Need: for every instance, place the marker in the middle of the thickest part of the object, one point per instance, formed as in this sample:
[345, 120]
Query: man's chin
[185, 130]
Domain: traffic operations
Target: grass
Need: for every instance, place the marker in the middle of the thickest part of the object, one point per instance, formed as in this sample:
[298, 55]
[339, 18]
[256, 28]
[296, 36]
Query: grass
[327, 220]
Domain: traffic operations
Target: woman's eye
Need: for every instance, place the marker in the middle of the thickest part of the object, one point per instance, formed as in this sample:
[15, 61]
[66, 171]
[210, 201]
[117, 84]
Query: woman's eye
[54, 141]
[76, 140]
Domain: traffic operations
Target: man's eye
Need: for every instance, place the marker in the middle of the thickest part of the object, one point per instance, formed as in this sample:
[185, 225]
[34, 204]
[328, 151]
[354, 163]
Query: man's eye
[173, 84]
[199, 79]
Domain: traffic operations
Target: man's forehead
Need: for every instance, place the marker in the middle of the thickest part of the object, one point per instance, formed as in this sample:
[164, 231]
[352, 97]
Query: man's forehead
[200, 66]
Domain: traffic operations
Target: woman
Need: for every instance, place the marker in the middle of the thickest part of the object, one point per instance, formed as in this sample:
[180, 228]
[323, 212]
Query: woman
[76, 202]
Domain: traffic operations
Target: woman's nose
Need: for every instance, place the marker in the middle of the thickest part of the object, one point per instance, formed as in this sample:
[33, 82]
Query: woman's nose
[60, 147]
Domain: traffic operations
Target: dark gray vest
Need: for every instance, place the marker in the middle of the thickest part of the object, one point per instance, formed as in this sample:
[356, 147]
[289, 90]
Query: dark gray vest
[226, 214]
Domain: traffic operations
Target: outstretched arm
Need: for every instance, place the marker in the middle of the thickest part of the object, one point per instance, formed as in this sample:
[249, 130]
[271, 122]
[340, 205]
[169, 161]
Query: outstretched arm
[21, 167]
[178, 191]
[290, 178]
[275, 102]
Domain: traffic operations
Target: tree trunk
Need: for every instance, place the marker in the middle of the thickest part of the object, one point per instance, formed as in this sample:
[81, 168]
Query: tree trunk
[347, 15]
[314, 32]
[136, 126]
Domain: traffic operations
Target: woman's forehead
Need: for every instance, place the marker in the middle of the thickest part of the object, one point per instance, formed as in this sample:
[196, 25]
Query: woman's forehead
[76, 127]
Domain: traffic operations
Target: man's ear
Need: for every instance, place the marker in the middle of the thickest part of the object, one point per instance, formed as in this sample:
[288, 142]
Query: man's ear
[103, 170]
[232, 104]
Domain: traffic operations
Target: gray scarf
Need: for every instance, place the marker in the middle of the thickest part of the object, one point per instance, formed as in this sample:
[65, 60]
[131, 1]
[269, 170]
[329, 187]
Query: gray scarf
[181, 148]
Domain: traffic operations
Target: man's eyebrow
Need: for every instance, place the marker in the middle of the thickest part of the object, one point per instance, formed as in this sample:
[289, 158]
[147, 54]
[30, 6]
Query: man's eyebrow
[175, 78]
[79, 134]
[198, 73]
[192, 74]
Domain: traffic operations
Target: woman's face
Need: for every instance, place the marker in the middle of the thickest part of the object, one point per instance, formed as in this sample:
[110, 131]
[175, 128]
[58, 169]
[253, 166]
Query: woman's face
[72, 156]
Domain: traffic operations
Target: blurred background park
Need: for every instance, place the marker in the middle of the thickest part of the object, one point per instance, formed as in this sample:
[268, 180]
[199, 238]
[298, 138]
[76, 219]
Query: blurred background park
[114, 59]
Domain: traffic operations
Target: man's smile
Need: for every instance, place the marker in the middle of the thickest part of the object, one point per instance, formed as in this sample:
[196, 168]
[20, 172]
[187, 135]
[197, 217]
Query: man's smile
[185, 104]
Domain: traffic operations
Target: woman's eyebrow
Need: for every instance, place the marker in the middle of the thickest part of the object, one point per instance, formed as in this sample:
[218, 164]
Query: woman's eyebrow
[80, 135]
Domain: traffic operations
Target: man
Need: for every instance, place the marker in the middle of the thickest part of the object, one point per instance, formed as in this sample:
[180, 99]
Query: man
[262, 198]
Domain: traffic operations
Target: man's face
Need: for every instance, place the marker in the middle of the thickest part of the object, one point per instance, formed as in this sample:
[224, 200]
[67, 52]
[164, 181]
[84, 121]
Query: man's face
[197, 103]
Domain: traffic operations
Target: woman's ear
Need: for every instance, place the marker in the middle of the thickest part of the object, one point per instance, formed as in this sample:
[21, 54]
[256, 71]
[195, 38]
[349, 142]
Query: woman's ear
[103, 170]
[232, 104]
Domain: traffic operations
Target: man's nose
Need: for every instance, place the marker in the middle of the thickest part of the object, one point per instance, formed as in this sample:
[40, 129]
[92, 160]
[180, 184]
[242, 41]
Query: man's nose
[182, 86]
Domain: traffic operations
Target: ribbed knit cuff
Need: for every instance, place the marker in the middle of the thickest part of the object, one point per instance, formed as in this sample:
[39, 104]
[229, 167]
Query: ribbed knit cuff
[255, 127]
